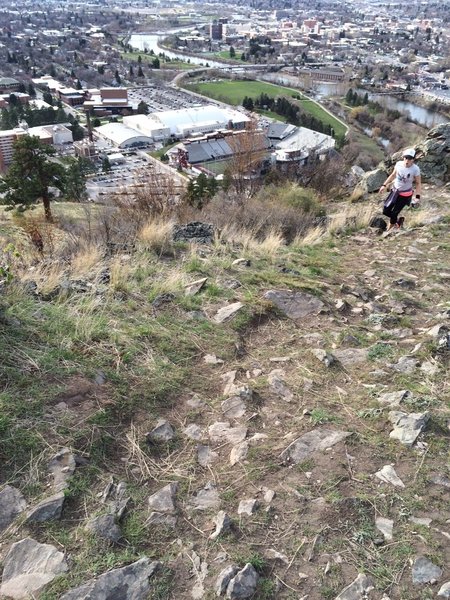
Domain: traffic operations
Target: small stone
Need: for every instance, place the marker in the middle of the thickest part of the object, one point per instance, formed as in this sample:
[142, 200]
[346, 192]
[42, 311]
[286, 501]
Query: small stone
[325, 357]
[162, 432]
[227, 312]
[444, 591]
[193, 432]
[388, 475]
[48, 509]
[163, 500]
[243, 584]
[239, 453]
[424, 571]
[191, 289]
[28, 569]
[424, 521]
[407, 427]
[248, 507]
[206, 498]
[206, 456]
[272, 554]
[358, 589]
[233, 407]
[211, 359]
[105, 527]
[222, 522]
[386, 526]
[224, 578]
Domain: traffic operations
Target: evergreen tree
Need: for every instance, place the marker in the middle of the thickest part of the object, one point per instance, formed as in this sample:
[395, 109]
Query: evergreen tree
[140, 72]
[156, 63]
[117, 77]
[31, 90]
[75, 184]
[106, 165]
[232, 52]
[31, 175]
[142, 108]
[131, 71]
[47, 97]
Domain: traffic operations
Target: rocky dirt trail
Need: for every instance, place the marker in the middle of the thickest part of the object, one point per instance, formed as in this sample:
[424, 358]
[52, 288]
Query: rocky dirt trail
[312, 464]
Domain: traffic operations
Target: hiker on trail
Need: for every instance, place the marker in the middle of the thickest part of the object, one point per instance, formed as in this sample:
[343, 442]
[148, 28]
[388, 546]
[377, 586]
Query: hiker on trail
[405, 177]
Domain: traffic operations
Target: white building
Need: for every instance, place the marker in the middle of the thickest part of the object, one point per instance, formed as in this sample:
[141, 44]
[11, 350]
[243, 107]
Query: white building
[121, 136]
[187, 121]
[55, 134]
[301, 143]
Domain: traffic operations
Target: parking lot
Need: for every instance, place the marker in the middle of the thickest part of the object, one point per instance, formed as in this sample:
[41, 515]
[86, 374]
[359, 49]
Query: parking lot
[132, 170]
[162, 97]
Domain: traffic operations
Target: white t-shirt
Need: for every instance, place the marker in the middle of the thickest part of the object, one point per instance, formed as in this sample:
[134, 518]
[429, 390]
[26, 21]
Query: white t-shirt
[404, 177]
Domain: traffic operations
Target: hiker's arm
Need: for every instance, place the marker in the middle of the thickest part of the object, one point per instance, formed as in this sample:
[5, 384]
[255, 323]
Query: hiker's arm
[389, 180]
[418, 185]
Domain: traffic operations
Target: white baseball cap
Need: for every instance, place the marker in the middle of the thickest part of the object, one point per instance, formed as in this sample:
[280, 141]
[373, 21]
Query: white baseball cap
[410, 152]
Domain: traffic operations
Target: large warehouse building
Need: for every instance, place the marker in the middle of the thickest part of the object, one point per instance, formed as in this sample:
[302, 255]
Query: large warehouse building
[187, 121]
[122, 136]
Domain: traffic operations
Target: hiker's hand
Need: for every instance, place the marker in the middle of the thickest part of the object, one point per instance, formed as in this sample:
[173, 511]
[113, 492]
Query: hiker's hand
[382, 189]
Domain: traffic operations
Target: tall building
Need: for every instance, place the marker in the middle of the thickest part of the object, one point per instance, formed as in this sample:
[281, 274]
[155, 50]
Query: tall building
[7, 139]
[216, 30]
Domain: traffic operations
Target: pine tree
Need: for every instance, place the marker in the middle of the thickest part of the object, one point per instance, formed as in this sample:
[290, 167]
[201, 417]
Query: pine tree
[31, 175]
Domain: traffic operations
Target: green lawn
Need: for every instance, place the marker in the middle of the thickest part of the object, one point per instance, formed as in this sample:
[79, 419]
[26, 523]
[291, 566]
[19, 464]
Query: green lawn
[234, 92]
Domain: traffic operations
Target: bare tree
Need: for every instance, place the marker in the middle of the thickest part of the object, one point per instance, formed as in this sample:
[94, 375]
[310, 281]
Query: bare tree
[249, 151]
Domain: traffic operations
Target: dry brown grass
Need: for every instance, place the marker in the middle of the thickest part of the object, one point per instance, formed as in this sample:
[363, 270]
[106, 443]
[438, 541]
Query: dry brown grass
[156, 234]
[86, 259]
[351, 217]
[310, 238]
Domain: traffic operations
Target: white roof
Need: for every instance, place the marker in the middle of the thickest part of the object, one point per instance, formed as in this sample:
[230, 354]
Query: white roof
[119, 133]
[182, 119]
[306, 140]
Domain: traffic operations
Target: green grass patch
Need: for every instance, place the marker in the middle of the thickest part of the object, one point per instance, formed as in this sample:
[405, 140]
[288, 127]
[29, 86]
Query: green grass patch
[234, 92]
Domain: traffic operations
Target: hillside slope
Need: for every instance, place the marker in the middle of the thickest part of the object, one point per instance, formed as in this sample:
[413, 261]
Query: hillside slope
[316, 417]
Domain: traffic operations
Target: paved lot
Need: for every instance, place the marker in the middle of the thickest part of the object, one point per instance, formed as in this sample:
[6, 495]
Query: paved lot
[162, 97]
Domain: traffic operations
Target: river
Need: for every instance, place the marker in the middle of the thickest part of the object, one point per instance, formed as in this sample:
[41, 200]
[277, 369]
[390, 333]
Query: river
[418, 114]
[149, 41]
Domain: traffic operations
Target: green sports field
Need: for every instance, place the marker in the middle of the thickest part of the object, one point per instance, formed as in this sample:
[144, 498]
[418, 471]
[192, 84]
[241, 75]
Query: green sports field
[234, 92]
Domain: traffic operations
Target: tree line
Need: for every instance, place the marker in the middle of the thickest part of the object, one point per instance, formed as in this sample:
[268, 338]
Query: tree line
[289, 110]
[34, 117]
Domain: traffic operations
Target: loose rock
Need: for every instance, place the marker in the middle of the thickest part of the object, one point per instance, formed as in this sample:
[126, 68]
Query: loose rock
[127, 583]
[29, 568]
[407, 427]
[12, 503]
[243, 584]
[424, 571]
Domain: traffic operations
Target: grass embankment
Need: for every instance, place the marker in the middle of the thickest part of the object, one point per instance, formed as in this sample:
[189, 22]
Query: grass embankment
[234, 92]
[165, 62]
[94, 366]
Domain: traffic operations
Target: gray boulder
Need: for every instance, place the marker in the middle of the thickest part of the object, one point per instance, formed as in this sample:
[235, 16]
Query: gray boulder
[105, 527]
[311, 442]
[29, 568]
[12, 503]
[127, 583]
[295, 305]
[224, 578]
[49, 509]
[196, 231]
[243, 584]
